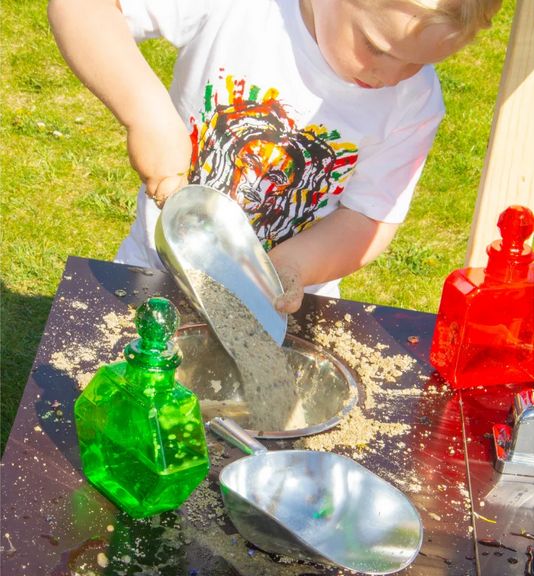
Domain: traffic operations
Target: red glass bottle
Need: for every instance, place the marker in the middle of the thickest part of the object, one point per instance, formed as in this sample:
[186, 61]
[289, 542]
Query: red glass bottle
[484, 332]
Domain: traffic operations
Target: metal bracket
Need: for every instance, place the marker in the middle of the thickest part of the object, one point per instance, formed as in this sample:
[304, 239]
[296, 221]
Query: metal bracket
[514, 445]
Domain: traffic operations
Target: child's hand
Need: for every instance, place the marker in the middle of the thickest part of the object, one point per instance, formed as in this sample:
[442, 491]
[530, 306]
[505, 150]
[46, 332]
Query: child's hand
[291, 300]
[161, 154]
[162, 191]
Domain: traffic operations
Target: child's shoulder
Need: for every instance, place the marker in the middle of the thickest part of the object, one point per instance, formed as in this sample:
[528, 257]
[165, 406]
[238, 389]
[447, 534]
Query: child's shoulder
[423, 86]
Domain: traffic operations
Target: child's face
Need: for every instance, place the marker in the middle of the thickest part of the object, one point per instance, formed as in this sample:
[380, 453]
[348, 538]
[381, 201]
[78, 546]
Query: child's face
[375, 44]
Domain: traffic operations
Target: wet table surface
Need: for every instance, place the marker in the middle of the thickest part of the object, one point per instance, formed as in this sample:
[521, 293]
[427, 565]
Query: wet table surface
[434, 444]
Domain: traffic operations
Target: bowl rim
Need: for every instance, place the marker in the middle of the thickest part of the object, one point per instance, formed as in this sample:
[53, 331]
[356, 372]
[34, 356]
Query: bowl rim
[356, 389]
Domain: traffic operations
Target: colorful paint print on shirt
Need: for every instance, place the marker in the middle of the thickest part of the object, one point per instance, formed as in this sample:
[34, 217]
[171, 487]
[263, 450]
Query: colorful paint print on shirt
[281, 174]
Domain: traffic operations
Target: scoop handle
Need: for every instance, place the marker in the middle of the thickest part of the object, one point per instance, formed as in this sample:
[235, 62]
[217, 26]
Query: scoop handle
[230, 431]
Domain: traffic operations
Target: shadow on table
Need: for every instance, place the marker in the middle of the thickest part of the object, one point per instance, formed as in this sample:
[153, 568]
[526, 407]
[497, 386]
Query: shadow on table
[22, 325]
[55, 410]
[135, 284]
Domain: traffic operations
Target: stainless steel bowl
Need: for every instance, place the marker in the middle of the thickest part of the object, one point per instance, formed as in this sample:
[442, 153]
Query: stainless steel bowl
[328, 389]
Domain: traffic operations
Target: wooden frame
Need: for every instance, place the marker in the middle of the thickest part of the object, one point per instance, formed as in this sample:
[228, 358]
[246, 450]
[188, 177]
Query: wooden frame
[508, 173]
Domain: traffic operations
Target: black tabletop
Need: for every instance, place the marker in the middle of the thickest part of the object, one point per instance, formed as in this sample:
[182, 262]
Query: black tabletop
[429, 441]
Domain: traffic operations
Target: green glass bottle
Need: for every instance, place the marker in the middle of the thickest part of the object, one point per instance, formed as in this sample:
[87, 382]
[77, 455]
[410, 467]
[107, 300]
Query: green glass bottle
[141, 435]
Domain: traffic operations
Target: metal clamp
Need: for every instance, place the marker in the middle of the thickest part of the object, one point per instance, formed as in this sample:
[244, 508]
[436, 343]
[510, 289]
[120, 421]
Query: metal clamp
[514, 445]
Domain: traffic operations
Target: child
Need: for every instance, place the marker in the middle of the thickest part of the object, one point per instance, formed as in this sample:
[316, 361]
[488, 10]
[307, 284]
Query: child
[316, 116]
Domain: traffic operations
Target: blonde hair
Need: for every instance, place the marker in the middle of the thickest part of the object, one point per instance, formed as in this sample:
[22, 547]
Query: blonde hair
[466, 17]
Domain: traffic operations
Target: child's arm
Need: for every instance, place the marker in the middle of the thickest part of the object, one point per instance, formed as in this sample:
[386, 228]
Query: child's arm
[334, 247]
[96, 43]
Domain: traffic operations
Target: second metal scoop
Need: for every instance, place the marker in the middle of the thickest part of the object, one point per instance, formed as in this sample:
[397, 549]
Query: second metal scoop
[317, 506]
[202, 229]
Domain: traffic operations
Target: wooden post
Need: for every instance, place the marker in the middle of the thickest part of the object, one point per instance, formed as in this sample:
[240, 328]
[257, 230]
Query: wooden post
[508, 174]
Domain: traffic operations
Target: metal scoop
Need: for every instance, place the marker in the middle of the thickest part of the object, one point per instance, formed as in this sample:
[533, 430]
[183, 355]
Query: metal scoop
[317, 506]
[202, 229]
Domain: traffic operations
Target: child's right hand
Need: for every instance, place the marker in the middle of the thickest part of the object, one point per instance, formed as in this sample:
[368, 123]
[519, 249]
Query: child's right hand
[161, 157]
[166, 188]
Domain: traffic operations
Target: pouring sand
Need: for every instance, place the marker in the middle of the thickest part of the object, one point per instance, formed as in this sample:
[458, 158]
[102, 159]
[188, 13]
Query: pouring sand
[269, 383]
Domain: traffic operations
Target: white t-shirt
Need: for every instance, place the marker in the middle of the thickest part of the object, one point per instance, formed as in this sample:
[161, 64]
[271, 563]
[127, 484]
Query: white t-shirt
[275, 127]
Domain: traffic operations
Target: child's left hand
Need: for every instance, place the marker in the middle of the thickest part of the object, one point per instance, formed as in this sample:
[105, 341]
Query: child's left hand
[291, 300]
[335, 246]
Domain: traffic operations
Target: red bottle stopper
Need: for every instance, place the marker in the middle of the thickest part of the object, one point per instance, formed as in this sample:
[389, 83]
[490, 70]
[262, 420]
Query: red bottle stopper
[509, 258]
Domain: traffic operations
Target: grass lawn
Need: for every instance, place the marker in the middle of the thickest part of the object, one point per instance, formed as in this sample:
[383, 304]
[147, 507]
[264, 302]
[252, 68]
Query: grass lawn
[67, 187]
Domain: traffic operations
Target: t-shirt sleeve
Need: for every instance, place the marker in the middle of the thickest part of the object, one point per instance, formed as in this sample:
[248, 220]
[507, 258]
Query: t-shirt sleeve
[387, 171]
[176, 20]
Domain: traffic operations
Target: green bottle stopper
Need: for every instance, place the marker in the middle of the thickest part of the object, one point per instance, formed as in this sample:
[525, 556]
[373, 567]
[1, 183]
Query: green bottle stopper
[140, 432]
